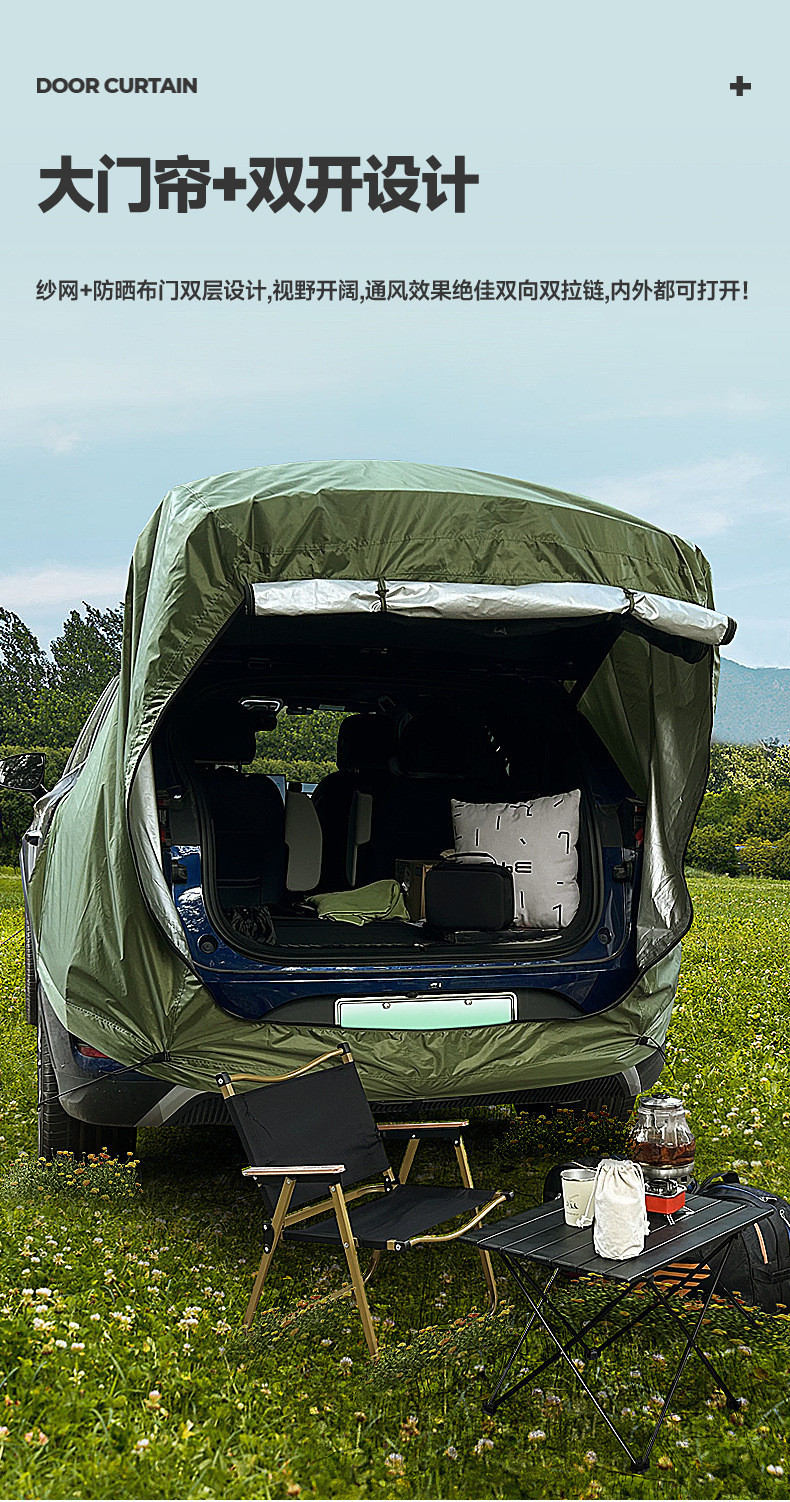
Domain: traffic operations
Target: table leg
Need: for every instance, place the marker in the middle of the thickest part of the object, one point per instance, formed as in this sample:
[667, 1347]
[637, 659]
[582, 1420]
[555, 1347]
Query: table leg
[718, 1379]
[577, 1336]
[648, 1310]
[691, 1345]
[491, 1405]
[563, 1354]
[540, 1302]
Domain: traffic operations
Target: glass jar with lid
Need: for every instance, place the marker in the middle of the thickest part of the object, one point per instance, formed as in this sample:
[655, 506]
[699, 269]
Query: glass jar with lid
[661, 1139]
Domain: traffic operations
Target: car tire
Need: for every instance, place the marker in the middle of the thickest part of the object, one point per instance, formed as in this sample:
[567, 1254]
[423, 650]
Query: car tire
[58, 1132]
[31, 978]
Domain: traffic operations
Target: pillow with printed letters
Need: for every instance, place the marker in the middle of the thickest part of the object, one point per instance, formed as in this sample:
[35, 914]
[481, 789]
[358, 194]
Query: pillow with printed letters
[538, 840]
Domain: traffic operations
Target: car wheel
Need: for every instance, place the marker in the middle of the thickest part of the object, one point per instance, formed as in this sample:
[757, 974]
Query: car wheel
[58, 1132]
[31, 978]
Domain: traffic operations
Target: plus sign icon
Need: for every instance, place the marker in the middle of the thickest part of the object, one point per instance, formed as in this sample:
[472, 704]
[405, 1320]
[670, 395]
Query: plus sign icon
[739, 86]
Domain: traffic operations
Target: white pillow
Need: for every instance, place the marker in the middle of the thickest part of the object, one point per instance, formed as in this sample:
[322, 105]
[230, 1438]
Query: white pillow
[538, 841]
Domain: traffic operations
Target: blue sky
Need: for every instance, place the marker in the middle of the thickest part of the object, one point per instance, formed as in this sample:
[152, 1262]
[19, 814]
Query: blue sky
[608, 145]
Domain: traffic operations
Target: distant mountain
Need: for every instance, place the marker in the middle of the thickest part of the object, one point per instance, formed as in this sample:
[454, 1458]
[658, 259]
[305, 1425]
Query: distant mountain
[753, 704]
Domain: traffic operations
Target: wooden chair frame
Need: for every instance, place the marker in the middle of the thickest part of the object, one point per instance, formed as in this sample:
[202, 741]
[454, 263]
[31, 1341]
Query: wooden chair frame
[339, 1199]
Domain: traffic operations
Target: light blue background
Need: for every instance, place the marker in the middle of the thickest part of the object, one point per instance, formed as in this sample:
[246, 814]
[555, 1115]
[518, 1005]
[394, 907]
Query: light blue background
[608, 145]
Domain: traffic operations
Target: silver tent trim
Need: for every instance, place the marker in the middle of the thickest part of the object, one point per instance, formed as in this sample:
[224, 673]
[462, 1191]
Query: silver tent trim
[317, 597]
[460, 601]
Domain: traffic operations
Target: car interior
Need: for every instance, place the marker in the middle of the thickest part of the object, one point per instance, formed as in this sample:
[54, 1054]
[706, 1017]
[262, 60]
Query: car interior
[435, 714]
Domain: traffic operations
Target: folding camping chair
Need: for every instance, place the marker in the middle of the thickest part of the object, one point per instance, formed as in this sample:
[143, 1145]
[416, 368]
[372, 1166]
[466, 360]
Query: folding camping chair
[313, 1129]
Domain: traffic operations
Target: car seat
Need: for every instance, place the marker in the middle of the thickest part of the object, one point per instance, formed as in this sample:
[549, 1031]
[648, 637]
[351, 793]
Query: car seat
[441, 754]
[365, 745]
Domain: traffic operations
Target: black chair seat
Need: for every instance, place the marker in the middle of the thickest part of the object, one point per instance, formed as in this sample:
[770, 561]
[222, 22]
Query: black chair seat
[312, 1142]
[408, 1210]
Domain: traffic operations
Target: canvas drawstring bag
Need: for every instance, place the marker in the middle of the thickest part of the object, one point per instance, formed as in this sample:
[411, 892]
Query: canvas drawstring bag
[621, 1222]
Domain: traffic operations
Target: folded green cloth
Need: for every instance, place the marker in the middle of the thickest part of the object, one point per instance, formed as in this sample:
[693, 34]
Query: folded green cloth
[382, 899]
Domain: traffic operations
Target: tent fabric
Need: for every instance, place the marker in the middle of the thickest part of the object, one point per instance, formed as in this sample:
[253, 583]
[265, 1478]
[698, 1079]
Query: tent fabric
[110, 957]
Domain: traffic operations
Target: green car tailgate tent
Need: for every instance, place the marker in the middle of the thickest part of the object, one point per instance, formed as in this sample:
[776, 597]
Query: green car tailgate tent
[428, 541]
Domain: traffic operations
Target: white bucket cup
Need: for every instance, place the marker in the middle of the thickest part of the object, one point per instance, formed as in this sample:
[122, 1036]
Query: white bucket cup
[578, 1198]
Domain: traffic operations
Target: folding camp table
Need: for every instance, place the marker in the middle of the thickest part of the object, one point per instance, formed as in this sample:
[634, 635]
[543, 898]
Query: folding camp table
[541, 1236]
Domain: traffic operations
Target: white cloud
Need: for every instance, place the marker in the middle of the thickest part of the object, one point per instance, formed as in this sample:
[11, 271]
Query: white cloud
[697, 500]
[68, 404]
[61, 587]
[61, 440]
[729, 404]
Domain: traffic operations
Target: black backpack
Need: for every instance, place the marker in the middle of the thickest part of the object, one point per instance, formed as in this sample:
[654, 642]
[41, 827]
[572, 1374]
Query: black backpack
[758, 1264]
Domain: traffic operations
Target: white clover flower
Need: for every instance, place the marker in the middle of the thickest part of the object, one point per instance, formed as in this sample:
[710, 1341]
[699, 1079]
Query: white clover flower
[775, 1470]
[536, 1434]
[450, 1452]
[590, 1457]
[141, 1446]
[61, 1344]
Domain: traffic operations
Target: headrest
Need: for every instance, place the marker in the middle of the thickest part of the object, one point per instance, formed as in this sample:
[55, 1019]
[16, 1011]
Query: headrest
[365, 743]
[218, 730]
[441, 743]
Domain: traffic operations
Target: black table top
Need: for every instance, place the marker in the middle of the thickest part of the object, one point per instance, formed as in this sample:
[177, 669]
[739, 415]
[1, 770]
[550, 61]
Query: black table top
[541, 1235]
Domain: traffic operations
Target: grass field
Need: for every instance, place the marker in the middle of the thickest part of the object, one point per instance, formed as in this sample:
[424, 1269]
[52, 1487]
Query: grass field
[124, 1374]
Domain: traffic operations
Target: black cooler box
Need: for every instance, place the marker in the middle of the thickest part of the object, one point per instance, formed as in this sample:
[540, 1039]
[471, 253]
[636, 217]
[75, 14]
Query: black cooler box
[469, 892]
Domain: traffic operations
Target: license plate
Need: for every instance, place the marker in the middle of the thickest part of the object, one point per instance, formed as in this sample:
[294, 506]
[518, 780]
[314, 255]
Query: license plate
[426, 1013]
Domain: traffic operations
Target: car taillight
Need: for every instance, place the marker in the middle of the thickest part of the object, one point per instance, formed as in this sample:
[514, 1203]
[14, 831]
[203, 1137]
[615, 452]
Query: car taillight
[640, 810]
[90, 1053]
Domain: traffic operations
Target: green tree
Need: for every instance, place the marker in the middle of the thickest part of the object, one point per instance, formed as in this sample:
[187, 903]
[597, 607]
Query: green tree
[713, 848]
[24, 673]
[309, 737]
[720, 808]
[764, 814]
[85, 656]
[780, 859]
[757, 856]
